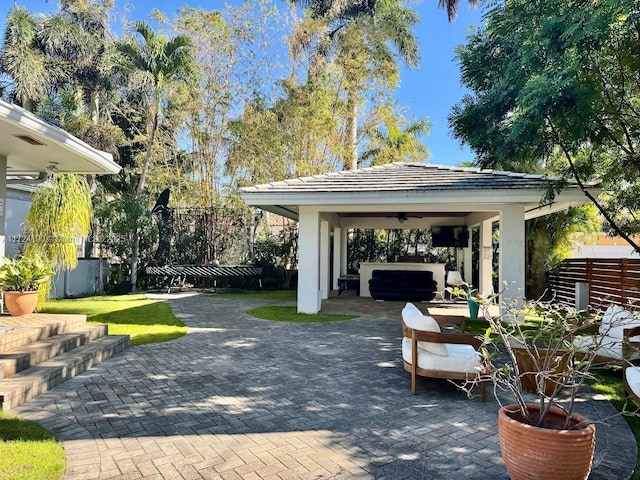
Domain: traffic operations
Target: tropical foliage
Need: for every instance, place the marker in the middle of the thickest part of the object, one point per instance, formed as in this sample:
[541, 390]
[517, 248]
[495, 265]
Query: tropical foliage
[25, 274]
[554, 85]
[59, 216]
[210, 101]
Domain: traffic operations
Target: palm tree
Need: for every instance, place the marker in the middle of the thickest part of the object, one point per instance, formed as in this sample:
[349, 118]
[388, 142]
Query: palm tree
[393, 143]
[53, 53]
[359, 34]
[451, 6]
[92, 51]
[22, 59]
[156, 64]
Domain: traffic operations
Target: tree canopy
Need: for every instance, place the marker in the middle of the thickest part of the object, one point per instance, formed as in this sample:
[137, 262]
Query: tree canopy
[555, 85]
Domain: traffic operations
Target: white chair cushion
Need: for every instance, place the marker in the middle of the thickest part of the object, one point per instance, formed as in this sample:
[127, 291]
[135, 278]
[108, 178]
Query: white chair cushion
[610, 312]
[608, 347]
[632, 375]
[410, 307]
[616, 319]
[415, 320]
[461, 358]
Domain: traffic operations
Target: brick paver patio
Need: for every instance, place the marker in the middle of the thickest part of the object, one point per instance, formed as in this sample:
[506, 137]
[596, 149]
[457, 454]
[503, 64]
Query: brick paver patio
[242, 398]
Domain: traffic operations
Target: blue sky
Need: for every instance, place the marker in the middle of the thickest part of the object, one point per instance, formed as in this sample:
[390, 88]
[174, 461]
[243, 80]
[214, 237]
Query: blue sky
[428, 91]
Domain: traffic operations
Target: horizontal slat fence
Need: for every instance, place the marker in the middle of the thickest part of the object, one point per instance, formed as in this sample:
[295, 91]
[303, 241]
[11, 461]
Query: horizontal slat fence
[611, 280]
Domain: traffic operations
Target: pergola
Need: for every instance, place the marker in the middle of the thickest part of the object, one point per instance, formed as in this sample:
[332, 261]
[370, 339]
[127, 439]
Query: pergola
[31, 148]
[410, 195]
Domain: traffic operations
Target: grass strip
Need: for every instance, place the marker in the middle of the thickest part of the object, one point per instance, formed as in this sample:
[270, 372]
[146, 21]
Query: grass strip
[146, 321]
[609, 383]
[272, 295]
[289, 314]
[28, 451]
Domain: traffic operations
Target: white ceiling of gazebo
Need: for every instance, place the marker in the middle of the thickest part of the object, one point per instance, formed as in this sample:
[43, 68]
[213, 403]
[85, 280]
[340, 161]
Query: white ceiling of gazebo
[33, 146]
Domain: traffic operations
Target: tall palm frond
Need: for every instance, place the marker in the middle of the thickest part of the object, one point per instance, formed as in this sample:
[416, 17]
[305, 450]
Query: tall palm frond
[451, 6]
[22, 60]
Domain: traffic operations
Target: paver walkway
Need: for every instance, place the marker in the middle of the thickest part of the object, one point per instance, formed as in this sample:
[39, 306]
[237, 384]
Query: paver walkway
[243, 398]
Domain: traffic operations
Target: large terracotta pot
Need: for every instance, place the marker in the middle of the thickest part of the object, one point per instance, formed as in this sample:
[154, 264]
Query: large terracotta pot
[21, 303]
[535, 453]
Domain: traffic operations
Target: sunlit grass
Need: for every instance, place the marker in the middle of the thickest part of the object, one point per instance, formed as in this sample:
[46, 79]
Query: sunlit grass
[28, 451]
[274, 295]
[290, 314]
[146, 321]
[610, 384]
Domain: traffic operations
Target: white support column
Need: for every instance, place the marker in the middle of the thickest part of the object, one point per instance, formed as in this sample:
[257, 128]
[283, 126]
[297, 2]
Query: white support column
[343, 251]
[337, 255]
[512, 254]
[3, 200]
[468, 261]
[308, 260]
[486, 258]
[325, 238]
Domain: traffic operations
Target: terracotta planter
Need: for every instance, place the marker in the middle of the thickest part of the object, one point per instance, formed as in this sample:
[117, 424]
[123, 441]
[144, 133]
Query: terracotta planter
[545, 453]
[21, 303]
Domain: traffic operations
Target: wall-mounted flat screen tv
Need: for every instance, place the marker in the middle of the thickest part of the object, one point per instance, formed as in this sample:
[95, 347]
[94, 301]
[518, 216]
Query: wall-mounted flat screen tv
[450, 236]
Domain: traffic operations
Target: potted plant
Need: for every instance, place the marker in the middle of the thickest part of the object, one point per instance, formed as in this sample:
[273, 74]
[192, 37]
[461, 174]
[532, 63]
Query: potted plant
[20, 280]
[541, 436]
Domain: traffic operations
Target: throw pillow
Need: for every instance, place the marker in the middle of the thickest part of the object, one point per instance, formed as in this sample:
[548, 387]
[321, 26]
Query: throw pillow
[415, 320]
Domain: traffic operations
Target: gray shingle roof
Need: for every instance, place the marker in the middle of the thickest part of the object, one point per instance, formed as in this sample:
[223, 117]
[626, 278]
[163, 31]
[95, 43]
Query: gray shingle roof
[407, 176]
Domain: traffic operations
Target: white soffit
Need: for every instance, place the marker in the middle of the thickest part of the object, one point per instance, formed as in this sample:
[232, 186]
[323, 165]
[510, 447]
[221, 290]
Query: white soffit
[30, 145]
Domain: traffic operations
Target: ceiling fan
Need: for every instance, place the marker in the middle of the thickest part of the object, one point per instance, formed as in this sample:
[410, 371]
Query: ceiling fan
[404, 216]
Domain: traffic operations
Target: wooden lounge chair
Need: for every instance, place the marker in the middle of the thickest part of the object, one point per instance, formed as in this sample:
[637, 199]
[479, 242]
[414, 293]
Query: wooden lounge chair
[632, 372]
[428, 353]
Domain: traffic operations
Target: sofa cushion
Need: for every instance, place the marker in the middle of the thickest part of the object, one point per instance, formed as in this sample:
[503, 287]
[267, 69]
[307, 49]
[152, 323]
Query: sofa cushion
[414, 319]
[603, 346]
[609, 314]
[461, 358]
[406, 285]
[616, 319]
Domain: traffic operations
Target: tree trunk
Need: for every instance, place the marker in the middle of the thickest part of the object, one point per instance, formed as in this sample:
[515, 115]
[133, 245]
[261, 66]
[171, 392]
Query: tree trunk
[351, 141]
[135, 252]
[95, 107]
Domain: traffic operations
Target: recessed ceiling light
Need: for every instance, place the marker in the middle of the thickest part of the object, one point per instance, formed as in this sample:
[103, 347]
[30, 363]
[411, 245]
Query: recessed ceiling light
[28, 139]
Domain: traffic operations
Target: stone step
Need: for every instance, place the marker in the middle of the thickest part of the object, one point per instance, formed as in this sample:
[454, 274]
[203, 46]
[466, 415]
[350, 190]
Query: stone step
[16, 332]
[27, 356]
[29, 383]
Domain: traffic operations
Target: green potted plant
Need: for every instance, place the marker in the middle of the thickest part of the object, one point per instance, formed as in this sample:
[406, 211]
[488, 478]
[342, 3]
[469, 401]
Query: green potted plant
[528, 348]
[20, 280]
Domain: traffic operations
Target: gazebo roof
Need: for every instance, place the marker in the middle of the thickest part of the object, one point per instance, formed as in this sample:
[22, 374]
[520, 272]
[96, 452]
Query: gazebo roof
[413, 187]
[409, 176]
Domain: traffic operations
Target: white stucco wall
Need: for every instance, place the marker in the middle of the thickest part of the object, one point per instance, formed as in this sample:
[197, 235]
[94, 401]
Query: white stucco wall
[17, 206]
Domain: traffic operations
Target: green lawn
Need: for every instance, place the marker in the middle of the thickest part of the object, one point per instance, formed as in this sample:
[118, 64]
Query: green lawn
[28, 451]
[279, 313]
[290, 314]
[274, 295]
[609, 383]
[146, 321]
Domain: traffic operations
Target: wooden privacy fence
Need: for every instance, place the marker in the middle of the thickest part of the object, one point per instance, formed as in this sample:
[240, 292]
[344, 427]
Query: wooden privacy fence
[611, 280]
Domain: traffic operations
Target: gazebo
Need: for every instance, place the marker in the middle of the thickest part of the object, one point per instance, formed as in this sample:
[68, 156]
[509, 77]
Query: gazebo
[410, 195]
[31, 148]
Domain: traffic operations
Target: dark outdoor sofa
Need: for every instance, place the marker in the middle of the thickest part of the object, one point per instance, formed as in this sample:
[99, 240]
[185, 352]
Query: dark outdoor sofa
[407, 285]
